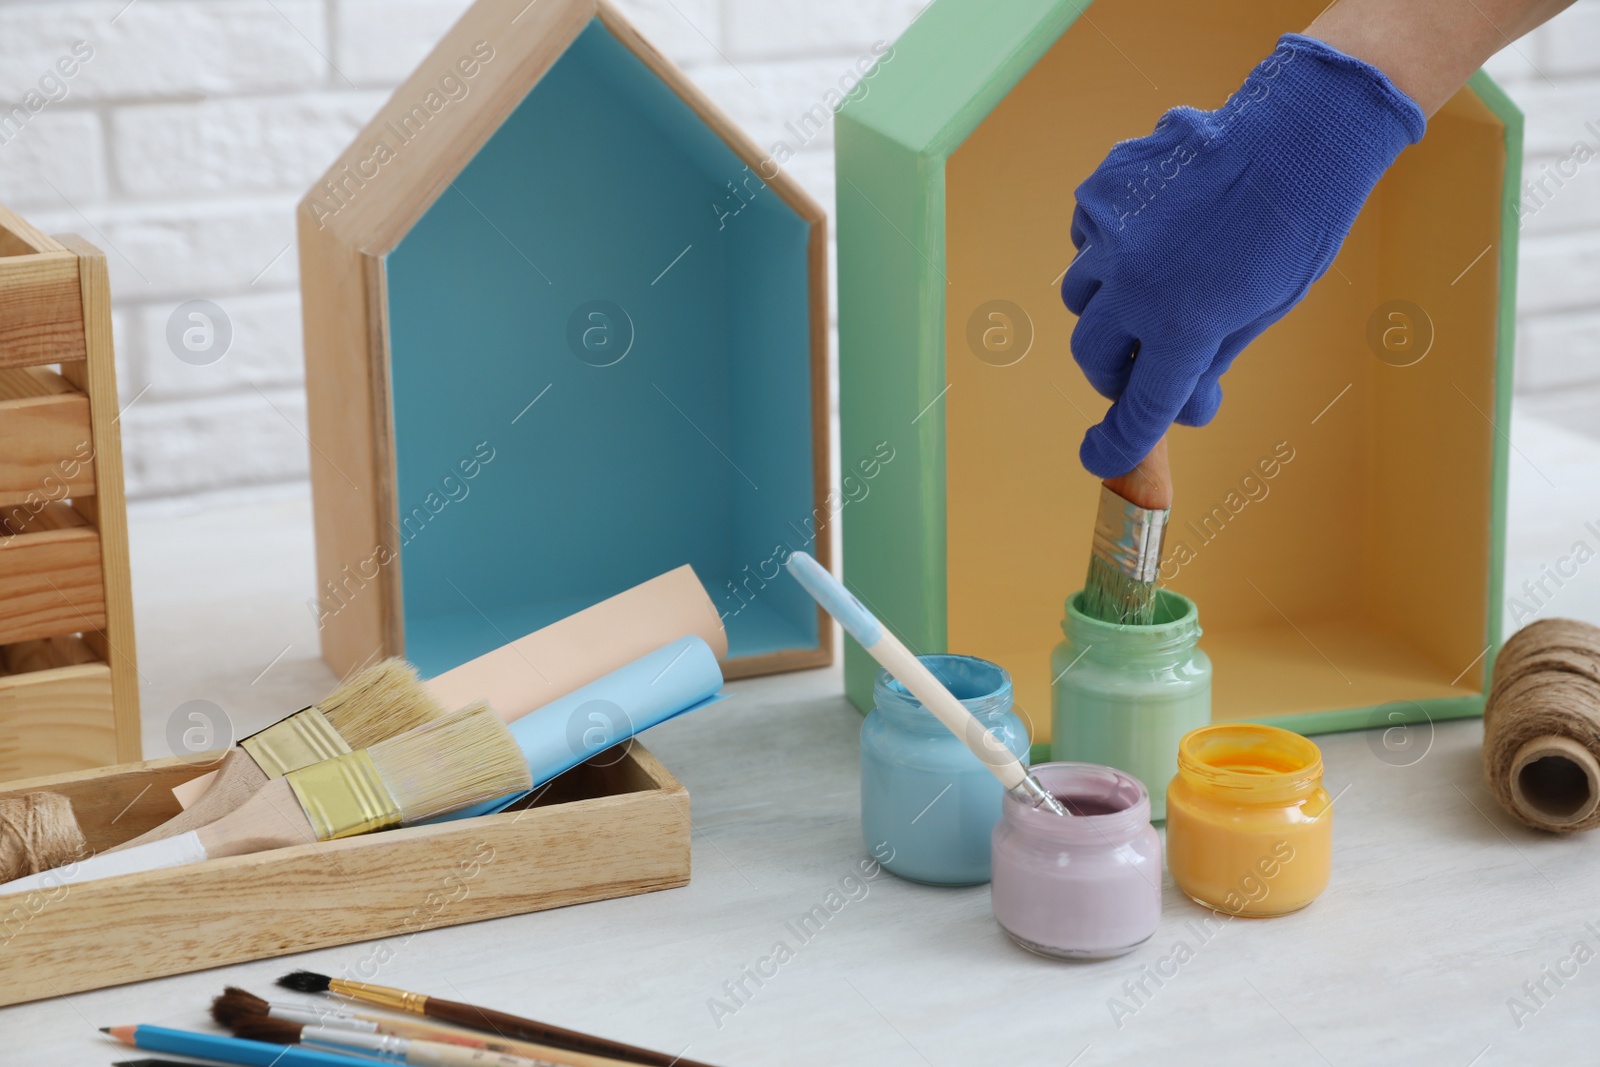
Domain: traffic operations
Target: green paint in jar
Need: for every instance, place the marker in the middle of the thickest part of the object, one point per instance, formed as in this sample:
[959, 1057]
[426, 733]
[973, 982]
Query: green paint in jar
[1124, 696]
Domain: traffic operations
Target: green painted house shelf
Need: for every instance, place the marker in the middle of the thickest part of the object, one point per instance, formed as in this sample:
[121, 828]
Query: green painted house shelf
[1341, 524]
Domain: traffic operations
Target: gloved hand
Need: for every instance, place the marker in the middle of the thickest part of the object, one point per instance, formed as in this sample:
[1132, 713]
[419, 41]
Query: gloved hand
[1195, 239]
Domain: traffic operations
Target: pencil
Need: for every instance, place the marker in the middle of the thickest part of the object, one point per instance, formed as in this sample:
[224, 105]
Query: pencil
[228, 1049]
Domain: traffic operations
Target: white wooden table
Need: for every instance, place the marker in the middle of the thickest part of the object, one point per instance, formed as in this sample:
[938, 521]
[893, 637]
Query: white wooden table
[1440, 909]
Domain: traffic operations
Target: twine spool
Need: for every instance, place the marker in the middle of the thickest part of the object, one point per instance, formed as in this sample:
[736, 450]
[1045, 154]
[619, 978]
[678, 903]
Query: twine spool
[38, 832]
[1541, 726]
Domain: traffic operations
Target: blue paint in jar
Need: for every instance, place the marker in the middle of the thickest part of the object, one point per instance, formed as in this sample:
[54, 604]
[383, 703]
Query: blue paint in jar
[928, 805]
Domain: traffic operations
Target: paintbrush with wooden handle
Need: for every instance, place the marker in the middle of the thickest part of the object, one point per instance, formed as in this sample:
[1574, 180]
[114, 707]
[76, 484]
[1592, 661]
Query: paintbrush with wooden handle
[235, 1007]
[436, 769]
[514, 679]
[487, 1019]
[380, 702]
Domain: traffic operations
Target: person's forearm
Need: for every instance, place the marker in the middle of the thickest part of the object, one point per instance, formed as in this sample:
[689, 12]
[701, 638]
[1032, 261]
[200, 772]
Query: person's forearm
[1429, 48]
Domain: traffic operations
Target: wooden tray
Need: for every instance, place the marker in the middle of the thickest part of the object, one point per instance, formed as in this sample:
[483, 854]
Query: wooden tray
[596, 832]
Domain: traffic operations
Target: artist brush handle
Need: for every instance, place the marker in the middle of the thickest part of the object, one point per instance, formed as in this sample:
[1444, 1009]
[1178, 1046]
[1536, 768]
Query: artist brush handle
[499, 1022]
[912, 673]
[437, 1054]
[903, 664]
[542, 1055]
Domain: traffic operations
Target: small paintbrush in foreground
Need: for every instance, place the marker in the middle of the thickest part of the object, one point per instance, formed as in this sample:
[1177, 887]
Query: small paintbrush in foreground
[235, 1006]
[477, 1018]
[412, 1051]
[433, 770]
[384, 700]
[1128, 535]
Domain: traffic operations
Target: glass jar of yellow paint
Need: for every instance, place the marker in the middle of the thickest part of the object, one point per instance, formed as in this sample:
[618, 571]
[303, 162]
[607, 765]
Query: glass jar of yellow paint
[1249, 826]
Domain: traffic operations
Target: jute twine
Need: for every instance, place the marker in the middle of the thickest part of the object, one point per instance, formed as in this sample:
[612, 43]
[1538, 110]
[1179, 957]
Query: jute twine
[38, 832]
[1541, 726]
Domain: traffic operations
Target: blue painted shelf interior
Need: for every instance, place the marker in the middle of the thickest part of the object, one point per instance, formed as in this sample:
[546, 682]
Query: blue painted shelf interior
[694, 447]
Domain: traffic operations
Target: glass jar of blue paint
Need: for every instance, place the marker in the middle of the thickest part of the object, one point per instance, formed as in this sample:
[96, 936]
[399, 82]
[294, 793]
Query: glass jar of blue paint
[928, 805]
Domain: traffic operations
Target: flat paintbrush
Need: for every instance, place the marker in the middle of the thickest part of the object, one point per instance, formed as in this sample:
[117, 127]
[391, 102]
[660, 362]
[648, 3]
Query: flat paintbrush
[477, 1018]
[236, 1005]
[384, 700]
[436, 769]
[514, 679]
[1128, 536]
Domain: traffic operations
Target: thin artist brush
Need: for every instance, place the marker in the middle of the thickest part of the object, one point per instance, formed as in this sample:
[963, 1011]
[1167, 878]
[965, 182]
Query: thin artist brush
[389, 1047]
[384, 700]
[235, 1005]
[476, 1018]
[433, 770]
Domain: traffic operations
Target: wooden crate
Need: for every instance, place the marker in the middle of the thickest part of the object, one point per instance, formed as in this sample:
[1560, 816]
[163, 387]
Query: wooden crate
[69, 695]
[544, 185]
[599, 831]
[1362, 583]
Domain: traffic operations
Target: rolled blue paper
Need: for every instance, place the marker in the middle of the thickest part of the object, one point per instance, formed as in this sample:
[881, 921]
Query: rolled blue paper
[673, 680]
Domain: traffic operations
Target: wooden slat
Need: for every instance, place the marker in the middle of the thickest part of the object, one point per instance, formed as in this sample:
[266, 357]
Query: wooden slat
[56, 720]
[346, 372]
[50, 578]
[46, 447]
[115, 803]
[20, 237]
[41, 309]
[107, 509]
[624, 830]
[527, 40]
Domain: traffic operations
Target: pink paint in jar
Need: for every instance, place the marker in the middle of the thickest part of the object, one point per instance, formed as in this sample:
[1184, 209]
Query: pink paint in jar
[1086, 887]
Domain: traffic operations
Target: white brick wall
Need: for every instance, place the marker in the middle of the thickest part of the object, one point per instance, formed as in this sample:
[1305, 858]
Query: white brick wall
[183, 140]
[1553, 74]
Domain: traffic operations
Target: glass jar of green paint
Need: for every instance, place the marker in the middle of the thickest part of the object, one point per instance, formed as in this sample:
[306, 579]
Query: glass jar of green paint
[1124, 696]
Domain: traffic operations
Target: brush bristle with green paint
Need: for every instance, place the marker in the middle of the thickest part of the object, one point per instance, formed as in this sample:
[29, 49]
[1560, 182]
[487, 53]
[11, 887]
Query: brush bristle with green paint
[1128, 535]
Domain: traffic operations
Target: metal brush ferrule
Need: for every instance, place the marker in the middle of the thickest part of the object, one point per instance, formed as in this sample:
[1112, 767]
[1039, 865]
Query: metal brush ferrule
[386, 1047]
[381, 995]
[1130, 537]
[1035, 795]
[295, 1013]
[304, 738]
[345, 796]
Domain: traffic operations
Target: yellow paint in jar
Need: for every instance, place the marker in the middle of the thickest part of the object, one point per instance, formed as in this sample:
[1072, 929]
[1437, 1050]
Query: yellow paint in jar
[1249, 826]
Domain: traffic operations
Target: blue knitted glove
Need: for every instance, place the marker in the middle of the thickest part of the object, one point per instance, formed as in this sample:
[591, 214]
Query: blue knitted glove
[1193, 240]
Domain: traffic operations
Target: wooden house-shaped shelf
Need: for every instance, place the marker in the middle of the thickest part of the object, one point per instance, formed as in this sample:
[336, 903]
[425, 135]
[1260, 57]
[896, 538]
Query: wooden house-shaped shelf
[565, 330]
[1362, 584]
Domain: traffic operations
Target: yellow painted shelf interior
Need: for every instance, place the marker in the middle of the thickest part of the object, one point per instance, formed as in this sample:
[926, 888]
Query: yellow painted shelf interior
[1359, 577]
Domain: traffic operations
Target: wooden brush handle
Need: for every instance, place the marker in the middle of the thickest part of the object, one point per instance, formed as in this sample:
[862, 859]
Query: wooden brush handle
[499, 1022]
[236, 781]
[1149, 485]
[272, 818]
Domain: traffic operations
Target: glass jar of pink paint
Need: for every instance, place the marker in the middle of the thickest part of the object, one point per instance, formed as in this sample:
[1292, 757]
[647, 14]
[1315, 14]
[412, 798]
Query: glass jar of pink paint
[1086, 887]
